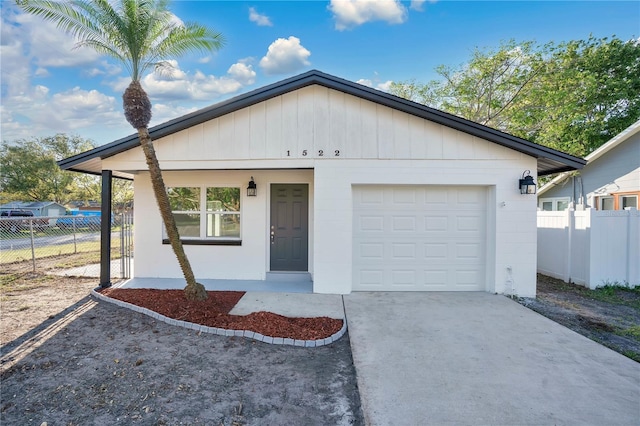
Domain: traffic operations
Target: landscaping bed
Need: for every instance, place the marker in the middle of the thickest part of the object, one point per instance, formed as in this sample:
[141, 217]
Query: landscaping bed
[214, 312]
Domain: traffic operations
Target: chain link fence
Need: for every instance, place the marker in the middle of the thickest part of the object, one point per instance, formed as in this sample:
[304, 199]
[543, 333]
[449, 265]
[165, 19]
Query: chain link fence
[65, 245]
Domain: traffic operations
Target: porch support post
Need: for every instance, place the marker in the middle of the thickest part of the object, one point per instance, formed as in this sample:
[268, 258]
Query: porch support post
[105, 230]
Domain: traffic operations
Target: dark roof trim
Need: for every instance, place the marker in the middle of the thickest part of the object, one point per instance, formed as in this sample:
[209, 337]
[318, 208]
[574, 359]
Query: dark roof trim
[561, 159]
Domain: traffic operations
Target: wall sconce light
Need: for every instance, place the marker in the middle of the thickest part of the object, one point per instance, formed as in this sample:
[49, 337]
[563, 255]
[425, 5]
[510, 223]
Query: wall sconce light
[252, 189]
[527, 185]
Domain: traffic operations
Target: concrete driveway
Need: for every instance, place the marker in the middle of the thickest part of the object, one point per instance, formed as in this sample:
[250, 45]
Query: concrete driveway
[482, 359]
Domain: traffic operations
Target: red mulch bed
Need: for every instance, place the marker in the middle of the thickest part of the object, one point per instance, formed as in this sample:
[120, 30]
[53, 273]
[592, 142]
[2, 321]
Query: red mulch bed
[214, 312]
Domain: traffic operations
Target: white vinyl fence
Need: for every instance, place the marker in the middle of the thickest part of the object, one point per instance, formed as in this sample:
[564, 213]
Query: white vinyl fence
[592, 248]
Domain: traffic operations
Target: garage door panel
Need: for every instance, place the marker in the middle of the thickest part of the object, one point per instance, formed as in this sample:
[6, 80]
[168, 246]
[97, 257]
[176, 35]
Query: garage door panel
[403, 223]
[419, 238]
[436, 251]
[371, 224]
[403, 251]
[372, 278]
[468, 251]
[371, 251]
[469, 224]
[404, 195]
[436, 223]
[403, 277]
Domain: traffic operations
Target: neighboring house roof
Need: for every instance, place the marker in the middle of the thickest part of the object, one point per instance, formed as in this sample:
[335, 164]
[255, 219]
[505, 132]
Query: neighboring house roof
[28, 204]
[549, 160]
[614, 142]
[14, 205]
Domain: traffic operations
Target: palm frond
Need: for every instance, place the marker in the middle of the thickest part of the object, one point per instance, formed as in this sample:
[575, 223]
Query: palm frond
[138, 33]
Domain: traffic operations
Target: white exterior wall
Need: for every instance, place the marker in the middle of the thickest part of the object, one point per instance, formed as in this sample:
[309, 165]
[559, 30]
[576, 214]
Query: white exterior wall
[362, 143]
[511, 229]
[250, 261]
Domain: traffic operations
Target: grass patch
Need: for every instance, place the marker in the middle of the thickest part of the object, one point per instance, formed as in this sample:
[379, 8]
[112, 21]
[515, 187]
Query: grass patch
[631, 354]
[633, 332]
[611, 293]
[617, 294]
[21, 255]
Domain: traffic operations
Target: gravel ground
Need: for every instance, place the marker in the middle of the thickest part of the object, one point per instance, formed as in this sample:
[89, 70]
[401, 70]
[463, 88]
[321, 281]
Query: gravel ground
[99, 364]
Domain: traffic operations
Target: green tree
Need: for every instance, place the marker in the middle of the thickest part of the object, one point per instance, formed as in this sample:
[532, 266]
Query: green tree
[588, 92]
[142, 35]
[30, 172]
[572, 96]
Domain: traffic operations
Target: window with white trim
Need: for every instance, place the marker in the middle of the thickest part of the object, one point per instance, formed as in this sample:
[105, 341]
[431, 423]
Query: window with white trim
[206, 213]
[553, 204]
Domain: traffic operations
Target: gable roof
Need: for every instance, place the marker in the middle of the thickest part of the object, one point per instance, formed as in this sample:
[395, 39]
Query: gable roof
[614, 142]
[549, 160]
[29, 205]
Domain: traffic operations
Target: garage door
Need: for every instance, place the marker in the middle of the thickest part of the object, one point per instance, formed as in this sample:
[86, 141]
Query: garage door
[419, 238]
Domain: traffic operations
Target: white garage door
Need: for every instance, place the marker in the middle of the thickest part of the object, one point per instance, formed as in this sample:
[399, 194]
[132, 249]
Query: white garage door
[419, 238]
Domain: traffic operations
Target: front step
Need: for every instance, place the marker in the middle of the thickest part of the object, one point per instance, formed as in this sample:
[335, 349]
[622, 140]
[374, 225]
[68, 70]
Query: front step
[289, 276]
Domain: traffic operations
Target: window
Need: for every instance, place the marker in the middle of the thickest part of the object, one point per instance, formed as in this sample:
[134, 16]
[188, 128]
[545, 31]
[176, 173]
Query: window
[606, 203]
[206, 213]
[628, 201]
[554, 204]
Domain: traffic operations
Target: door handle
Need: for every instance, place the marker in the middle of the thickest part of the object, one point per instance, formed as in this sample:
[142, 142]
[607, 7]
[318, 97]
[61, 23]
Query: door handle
[273, 236]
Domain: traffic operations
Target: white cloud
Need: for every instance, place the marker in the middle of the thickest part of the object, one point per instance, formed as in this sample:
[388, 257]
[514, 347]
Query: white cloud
[261, 20]
[15, 68]
[417, 5]
[205, 60]
[380, 86]
[162, 112]
[51, 47]
[351, 13]
[242, 72]
[178, 85]
[385, 86]
[38, 113]
[285, 55]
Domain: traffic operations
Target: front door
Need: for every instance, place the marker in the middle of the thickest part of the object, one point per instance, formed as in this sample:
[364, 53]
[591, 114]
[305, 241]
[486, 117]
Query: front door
[289, 231]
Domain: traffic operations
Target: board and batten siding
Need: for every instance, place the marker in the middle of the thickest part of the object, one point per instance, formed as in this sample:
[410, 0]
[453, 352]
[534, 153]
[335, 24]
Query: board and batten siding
[312, 123]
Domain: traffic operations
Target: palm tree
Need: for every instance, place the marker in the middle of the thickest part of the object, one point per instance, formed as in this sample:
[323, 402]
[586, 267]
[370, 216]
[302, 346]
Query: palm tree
[142, 35]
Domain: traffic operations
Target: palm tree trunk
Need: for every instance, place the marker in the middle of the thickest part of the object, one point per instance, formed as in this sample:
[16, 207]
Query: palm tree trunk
[193, 290]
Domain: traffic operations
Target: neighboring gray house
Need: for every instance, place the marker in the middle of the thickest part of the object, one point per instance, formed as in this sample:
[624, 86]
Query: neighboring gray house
[39, 208]
[609, 181]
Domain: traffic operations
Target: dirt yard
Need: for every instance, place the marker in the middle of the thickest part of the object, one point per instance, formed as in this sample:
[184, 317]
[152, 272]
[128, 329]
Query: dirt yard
[68, 360]
[609, 315]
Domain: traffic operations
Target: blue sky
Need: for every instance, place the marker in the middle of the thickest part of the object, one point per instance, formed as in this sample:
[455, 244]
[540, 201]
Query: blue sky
[48, 87]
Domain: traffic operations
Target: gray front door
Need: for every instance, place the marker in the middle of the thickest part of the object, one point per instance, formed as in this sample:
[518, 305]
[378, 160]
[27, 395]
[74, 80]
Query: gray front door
[289, 231]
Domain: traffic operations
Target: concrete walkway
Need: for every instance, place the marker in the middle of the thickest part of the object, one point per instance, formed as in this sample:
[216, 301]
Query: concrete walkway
[482, 359]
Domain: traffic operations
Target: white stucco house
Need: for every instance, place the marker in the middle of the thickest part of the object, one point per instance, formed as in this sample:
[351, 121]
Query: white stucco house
[609, 181]
[359, 189]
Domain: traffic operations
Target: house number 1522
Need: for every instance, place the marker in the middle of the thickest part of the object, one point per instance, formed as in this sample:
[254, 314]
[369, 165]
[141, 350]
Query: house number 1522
[321, 153]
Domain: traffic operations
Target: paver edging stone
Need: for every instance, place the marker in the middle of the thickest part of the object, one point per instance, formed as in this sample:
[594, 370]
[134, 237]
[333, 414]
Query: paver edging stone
[221, 331]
